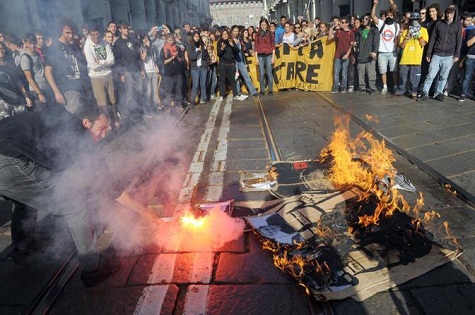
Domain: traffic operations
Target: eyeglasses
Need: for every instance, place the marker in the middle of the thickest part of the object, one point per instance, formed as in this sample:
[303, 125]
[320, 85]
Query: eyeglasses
[297, 27]
[178, 33]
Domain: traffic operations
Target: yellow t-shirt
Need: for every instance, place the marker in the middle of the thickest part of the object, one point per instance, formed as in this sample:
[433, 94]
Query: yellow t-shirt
[412, 53]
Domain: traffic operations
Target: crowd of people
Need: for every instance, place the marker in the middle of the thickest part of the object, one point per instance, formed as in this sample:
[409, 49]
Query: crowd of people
[84, 84]
[129, 73]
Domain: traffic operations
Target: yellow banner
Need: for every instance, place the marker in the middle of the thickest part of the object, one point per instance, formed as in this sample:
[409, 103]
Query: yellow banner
[308, 68]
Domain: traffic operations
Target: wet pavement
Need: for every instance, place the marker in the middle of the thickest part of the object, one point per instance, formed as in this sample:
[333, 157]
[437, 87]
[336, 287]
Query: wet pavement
[200, 160]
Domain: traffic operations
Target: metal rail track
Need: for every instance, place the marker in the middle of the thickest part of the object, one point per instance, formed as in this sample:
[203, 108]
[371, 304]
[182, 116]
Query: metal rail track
[275, 156]
[46, 297]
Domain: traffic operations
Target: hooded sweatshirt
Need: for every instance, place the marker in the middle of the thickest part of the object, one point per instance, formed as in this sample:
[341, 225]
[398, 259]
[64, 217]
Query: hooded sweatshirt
[100, 58]
[446, 39]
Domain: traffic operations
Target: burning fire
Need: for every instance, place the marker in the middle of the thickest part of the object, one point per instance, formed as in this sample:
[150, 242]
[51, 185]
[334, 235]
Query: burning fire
[188, 221]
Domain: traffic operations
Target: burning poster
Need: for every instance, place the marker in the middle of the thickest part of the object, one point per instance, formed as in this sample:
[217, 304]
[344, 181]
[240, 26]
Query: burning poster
[344, 229]
[316, 238]
[285, 179]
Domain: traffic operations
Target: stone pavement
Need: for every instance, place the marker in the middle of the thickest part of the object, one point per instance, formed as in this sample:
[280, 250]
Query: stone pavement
[239, 277]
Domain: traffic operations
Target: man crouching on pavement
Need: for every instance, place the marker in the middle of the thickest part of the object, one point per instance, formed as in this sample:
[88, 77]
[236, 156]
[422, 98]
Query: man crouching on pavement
[48, 161]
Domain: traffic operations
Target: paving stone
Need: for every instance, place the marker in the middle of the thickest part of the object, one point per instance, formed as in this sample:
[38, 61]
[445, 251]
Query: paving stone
[188, 268]
[259, 165]
[454, 165]
[258, 299]
[451, 272]
[432, 151]
[115, 301]
[117, 279]
[461, 220]
[388, 302]
[250, 268]
[446, 299]
[247, 132]
[245, 144]
[251, 154]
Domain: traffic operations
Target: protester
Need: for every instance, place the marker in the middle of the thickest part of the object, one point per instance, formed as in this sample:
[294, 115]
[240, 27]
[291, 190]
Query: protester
[367, 46]
[227, 49]
[387, 57]
[265, 49]
[100, 60]
[173, 65]
[345, 39]
[444, 49]
[241, 65]
[412, 42]
[33, 67]
[199, 59]
[13, 96]
[131, 74]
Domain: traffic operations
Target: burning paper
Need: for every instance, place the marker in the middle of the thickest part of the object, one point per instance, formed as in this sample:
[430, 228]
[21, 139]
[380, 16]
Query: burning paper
[351, 233]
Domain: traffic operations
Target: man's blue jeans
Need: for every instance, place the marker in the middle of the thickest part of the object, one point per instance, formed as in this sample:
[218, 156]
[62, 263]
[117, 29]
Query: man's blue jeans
[469, 69]
[241, 66]
[340, 66]
[441, 65]
[265, 67]
[198, 78]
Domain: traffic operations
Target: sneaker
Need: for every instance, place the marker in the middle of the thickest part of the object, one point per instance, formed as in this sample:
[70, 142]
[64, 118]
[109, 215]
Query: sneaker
[440, 97]
[93, 278]
[334, 90]
[399, 93]
[271, 93]
[213, 97]
[343, 91]
[255, 94]
[203, 102]
[384, 91]
[414, 95]
[262, 94]
[422, 97]
[372, 92]
[351, 89]
[244, 96]
[462, 98]
[220, 98]
[446, 94]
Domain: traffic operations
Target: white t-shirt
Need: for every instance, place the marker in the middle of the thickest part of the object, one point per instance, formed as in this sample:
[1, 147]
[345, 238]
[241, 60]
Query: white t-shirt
[387, 36]
[290, 39]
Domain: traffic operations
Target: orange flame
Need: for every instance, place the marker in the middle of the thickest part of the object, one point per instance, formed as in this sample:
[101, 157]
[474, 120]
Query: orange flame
[190, 222]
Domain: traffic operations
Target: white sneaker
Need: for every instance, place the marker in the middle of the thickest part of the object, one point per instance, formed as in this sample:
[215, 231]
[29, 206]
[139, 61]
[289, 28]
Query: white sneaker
[446, 93]
[384, 90]
[220, 98]
[213, 97]
[351, 89]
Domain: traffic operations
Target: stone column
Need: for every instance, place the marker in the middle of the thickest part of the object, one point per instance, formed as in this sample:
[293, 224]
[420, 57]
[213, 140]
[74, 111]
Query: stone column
[138, 18]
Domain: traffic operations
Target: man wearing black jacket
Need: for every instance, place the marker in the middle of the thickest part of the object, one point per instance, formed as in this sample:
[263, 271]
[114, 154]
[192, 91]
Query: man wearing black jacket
[130, 71]
[444, 49]
[367, 45]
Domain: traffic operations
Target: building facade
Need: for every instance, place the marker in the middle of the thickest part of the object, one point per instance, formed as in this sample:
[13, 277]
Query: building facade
[236, 12]
[23, 16]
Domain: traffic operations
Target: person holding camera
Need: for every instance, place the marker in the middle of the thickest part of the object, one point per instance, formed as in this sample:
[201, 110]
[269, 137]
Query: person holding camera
[412, 43]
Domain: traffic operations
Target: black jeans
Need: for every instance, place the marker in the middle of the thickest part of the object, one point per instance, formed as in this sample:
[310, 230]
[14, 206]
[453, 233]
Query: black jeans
[227, 71]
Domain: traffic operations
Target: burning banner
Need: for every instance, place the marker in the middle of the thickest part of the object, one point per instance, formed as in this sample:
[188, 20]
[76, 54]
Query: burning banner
[343, 228]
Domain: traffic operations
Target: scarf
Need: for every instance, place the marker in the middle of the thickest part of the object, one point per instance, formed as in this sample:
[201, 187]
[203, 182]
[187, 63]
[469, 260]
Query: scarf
[169, 49]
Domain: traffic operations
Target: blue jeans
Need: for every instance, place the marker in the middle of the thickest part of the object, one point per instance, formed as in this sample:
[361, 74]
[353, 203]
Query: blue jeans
[265, 68]
[198, 79]
[442, 66]
[340, 66]
[57, 193]
[414, 72]
[467, 78]
[242, 68]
